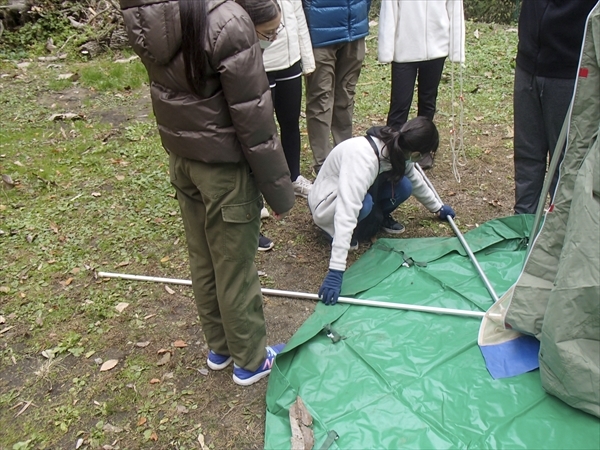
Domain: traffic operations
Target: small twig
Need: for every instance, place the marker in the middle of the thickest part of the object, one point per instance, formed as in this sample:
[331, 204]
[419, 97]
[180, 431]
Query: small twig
[27, 405]
[91, 19]
[230, 409]
[16, 406]
[68, 39]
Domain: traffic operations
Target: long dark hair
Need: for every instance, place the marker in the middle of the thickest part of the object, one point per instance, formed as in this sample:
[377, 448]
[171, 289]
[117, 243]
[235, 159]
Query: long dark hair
[194, 32]
[260, 11]
[417, 135]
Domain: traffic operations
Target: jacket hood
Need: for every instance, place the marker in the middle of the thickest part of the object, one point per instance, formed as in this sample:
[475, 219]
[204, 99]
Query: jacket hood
[153, 28]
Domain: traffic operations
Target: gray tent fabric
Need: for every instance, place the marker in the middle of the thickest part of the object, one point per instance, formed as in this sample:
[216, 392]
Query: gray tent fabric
[557, 296]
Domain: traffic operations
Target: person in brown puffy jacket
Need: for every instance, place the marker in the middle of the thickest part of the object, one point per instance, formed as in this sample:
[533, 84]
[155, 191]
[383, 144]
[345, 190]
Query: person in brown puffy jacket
[212, 104]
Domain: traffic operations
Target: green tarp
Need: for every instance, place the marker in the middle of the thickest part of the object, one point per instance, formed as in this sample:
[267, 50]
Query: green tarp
[405, 379]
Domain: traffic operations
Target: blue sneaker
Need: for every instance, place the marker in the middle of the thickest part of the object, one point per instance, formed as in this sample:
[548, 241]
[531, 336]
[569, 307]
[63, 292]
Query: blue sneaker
[216, 361]
[245, 377]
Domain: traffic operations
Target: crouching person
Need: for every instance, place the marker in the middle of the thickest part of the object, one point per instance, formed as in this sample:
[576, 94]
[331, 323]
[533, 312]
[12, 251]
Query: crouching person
[363, 180]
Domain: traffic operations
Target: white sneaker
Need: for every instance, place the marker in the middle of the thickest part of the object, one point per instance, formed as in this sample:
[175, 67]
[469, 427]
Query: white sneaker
[264, 213]
[302, 186]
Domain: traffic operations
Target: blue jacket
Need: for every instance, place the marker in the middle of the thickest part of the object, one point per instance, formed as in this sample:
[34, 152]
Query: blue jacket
[336, 21]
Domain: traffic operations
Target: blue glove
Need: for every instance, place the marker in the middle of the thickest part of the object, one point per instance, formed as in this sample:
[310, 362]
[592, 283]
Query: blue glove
[445, 212]
[329, 291]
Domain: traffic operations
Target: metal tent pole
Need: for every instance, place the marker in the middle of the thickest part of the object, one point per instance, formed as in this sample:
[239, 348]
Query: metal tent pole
[461, 239]
[304, 295]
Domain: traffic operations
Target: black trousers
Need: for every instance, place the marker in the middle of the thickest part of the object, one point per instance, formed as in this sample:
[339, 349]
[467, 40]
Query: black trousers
[427, 74]
[286, 91]
[540, 108]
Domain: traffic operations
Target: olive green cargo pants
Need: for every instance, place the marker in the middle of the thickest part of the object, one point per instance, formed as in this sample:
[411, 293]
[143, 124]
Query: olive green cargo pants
[220, 206]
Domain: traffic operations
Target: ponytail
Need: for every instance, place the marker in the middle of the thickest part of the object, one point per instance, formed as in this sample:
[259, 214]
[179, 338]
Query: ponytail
[418, 135]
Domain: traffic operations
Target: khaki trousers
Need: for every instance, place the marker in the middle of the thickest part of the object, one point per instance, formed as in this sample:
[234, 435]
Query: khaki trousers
[220, 207]
[330, 96]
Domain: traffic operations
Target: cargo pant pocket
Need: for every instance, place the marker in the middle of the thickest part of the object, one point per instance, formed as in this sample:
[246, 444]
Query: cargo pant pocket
[241, 223]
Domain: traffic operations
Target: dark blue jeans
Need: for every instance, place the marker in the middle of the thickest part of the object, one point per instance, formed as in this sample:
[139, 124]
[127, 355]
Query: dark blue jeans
[390, 197]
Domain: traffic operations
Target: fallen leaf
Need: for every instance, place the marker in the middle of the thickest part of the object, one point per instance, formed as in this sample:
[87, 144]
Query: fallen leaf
[142, 344]
[163, 350]
[122, 264]
[96, 194]
[182, 409]
[111, 363]
[79, 443]
[154, 381]
[167, 376]
[67, 282]
[149, 316]
[154, 436]
[75, 270]
[126, 60]
[2, 319]
[165, 259]
[121, 306]
[141, 421]
[300, 421]
[164, 360]
[201, 441]
[119, 177]
[179, 344]
[109, 428]
[8, 181]
[68, 76]
[4, 289]
[65, 116]
[169, 290]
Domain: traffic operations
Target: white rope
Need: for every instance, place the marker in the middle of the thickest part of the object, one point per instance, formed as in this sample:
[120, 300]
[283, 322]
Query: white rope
[459, 157]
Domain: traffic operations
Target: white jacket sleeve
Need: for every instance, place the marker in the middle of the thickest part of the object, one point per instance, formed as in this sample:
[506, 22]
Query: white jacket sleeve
[456, 52]
[306, 52]
[421, 190]
[388, 21]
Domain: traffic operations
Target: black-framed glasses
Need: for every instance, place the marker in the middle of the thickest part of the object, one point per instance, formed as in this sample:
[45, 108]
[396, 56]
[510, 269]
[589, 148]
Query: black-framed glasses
[273, 35]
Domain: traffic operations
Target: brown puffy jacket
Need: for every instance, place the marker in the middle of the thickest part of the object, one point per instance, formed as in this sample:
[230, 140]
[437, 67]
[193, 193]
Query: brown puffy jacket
[232, 118]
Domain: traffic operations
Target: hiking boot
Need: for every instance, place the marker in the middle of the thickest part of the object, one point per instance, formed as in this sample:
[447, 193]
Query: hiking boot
[391, 226]
[245, 377]
[302, 186]
[264, 213]
[216, 361]
[353, 244]
[264, 243]
[427, 161]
